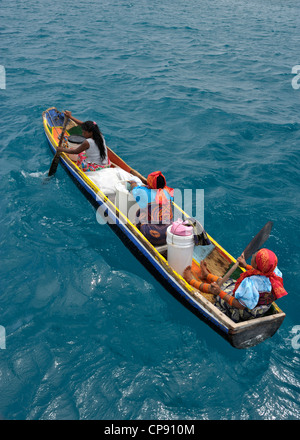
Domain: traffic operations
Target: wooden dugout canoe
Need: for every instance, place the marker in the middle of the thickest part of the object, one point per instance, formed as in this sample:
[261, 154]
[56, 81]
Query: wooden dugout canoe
[239, 335]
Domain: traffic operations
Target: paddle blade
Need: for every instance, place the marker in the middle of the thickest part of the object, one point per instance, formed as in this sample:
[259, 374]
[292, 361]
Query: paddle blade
[257, 242]
[55, 160]
[54, 165]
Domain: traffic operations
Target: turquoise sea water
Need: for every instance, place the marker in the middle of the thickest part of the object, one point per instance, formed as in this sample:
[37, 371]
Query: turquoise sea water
[201, 90]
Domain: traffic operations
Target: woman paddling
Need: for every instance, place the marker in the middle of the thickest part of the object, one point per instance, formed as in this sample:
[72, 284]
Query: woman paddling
[251, 295]
[92, 153]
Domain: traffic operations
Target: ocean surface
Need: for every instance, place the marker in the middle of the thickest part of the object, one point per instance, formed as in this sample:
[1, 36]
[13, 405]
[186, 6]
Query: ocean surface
[201, 90]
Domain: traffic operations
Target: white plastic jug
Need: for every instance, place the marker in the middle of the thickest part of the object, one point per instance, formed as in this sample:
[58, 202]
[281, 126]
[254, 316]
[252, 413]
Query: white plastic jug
[180, 250]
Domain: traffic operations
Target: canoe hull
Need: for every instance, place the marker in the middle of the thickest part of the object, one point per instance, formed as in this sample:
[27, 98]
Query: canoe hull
[240, 335]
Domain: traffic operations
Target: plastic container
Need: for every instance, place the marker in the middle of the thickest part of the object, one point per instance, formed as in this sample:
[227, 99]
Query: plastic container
[180, 250]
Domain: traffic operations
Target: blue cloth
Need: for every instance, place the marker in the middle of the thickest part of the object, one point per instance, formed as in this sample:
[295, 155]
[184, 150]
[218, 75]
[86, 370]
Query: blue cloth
[144, 195]
[248, 291]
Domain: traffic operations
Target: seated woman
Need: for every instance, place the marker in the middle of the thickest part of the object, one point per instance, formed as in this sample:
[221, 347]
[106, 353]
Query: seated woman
[251, 295]
[155, 213]
[92, 153]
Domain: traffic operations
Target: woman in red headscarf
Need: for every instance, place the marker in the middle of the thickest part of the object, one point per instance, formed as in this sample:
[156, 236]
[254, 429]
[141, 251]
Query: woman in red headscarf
[155, 213]
[252, 294]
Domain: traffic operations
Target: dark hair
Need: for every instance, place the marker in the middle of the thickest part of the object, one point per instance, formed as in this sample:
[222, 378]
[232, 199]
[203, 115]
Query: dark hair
[160, 182]
[93, 128]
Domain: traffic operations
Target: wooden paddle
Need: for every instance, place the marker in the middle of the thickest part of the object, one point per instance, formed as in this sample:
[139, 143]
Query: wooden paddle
[252, 247]
[55, 160]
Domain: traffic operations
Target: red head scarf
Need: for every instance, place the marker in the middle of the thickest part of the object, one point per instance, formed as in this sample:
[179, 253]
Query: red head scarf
[160, 197]
[266, 262]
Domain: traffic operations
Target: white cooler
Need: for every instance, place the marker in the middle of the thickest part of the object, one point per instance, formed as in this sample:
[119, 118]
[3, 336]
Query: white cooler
[180, 250]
